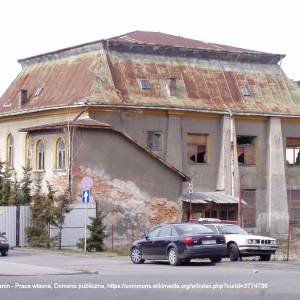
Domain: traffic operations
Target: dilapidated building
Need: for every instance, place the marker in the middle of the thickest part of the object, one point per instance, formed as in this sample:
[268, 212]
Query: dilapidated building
[145, 112]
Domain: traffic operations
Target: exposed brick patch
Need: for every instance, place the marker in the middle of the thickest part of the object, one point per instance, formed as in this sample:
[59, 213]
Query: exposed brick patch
[130, 210]
[163, 211]
[59, 182]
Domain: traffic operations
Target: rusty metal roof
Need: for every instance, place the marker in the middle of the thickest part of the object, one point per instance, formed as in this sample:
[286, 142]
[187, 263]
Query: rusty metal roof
[112, 78]
[89, 123]
[64, 81]
[159, 38]
[80, 123]
[207, 197]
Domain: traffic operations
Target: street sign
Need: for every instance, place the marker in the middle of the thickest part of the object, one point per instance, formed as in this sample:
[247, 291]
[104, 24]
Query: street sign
[190, 186]
[86, 183]
[86, 195]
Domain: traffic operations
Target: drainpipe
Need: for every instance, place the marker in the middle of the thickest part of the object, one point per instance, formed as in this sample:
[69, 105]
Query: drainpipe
[231, 152]
[232, 155]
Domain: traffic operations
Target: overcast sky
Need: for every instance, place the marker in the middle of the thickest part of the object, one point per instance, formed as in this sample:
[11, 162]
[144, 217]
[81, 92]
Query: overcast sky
[31, 27]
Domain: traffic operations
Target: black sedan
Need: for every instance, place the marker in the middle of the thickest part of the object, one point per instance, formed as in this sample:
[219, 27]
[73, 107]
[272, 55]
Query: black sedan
[179, 243]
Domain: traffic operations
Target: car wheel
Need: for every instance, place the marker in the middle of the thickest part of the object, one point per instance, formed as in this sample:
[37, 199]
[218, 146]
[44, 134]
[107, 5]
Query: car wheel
[173, 257]
[233, 252]
[265, 257]
[4, 253]
[136, 256]
[215, 259]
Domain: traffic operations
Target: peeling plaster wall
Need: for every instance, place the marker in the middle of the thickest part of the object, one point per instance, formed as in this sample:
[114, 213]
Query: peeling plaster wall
[134, 190]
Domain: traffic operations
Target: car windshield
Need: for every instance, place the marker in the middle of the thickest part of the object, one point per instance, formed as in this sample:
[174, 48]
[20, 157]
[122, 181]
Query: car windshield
[232, 229]
[193, 229]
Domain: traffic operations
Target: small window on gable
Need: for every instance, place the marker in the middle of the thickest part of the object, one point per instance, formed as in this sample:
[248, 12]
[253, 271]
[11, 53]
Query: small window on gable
[197, 148]
[145, 84]
[246, 150]
[171, 82]
[154, 140]
[38, 91]
[292, 151]
[245, 91]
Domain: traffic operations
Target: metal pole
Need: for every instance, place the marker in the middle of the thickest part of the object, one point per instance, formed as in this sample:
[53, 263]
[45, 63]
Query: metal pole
[85, 226]
[190, 207]
[112, 237]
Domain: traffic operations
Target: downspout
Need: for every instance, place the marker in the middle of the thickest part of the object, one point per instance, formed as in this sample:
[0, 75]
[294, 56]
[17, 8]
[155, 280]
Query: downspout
[232, 155]
[231, 152]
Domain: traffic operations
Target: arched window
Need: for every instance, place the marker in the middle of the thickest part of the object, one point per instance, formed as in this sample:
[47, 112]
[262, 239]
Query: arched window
[26, 149]
[60, 154]
[40, 155]
[10, 151]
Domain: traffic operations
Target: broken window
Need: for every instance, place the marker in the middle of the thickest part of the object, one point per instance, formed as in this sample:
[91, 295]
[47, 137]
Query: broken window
[246, 150]
[171, 82]
[197, 148]
[154, 140]
[293, 151]
[145, 84]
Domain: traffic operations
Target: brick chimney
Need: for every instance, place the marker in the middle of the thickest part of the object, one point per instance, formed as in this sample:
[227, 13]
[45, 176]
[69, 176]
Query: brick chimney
[23, 97]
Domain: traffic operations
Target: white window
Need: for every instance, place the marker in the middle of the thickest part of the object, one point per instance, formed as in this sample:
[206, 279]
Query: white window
[10, 151]
[40, 155]
[60, 154]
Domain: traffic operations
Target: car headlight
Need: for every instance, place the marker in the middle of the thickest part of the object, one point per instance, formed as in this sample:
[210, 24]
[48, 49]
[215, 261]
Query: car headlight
[273, 242]
[250, 241]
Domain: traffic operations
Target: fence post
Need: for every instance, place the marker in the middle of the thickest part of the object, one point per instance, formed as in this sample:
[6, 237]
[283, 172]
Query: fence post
[18, 226]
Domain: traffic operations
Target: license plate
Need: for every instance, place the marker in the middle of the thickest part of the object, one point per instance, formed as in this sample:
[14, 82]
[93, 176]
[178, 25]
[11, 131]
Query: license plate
[208, 242]
[265, 248]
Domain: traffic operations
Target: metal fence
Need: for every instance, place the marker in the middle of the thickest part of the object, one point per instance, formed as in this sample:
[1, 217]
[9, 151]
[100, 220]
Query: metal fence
[73, 228]
[15, 219]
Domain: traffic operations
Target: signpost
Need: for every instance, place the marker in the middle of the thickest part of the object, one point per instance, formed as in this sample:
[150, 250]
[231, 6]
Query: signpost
[86, 184]
[190, 194]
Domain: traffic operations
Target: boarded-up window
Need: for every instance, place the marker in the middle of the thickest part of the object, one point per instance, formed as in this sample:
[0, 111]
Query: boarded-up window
[292, 151]
[197, 148]
[249, 210]
[246, 150]
[154, 140]
[294, 207]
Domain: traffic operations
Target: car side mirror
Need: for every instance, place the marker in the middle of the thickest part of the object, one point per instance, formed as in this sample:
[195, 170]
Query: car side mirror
[145, 236]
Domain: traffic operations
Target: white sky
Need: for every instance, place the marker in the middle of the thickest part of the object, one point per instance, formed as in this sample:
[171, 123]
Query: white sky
[31, 27]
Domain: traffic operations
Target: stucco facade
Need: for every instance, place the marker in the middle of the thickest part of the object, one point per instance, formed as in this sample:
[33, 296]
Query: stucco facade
[220, 115]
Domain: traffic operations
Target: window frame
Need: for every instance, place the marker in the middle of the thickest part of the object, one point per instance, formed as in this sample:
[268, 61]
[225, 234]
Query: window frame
[10, 151]
[295, 147]
[57, 154]
[38, 165]
[206, 155]
[247, 145]
[154, 132]
[145, 84]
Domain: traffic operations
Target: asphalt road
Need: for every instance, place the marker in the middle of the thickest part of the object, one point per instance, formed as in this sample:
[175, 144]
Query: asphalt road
[33, 275]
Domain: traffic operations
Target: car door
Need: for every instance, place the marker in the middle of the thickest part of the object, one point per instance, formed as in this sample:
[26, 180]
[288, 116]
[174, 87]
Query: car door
[148, 246]
[162, 241]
